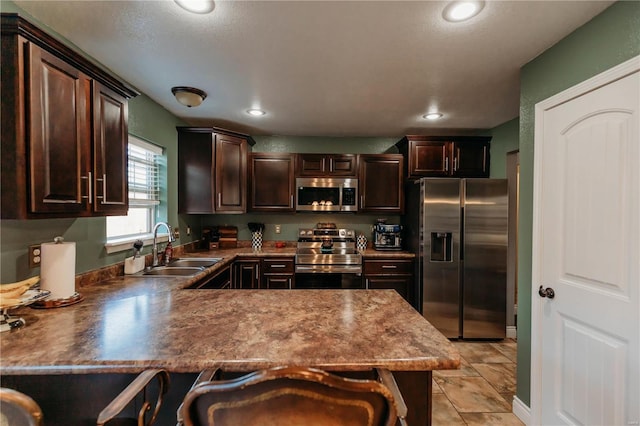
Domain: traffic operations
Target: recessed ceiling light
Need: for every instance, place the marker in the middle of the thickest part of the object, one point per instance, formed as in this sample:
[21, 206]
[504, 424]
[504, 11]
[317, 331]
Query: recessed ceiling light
[196, 6]
[256, 112]
[432, 116]
[459, 11]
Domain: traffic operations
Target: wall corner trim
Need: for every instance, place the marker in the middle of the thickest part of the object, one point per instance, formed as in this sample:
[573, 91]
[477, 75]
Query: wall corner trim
[521, 411]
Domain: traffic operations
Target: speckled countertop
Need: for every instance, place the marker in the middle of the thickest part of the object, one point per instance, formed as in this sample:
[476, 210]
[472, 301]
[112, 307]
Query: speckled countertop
[127, 324]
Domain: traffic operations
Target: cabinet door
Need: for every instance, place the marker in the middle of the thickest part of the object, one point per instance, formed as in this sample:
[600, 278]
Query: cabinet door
[381, 183]
[230, 174]
[246, 274]
[278, 282]
[59, 134]
[316, 165]
[400, 284]
[471, 159]
[429, 158]
[311, 165]
[111, 190]
[342, 165]
[195, 172]
[272, 182]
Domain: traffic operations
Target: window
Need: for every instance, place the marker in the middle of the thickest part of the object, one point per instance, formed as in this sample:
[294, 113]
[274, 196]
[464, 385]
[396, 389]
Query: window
[144, 192]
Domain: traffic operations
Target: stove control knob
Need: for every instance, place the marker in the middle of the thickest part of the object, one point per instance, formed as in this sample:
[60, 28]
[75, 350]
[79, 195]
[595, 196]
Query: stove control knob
[309, 232]
[342, 233]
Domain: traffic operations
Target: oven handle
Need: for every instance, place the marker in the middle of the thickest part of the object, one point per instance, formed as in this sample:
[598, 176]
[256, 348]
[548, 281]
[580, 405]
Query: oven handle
[330, 269]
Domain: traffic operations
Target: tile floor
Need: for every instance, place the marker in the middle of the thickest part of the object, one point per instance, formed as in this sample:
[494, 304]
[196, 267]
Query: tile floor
[481, 391]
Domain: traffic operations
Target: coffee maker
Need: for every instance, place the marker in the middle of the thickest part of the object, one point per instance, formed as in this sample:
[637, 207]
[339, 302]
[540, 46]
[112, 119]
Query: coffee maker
[387, 237]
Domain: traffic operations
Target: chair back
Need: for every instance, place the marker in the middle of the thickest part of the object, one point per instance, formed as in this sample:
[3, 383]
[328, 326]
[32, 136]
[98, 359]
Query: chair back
[290, 396]
[18, 409]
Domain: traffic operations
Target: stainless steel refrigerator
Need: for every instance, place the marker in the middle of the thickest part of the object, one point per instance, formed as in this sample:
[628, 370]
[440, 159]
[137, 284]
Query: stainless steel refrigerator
[458, 229]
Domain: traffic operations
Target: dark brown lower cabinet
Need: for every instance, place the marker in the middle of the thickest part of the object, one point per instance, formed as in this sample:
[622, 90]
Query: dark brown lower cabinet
[390, 273]
[246, 274]
[219, 280]
[278, 273]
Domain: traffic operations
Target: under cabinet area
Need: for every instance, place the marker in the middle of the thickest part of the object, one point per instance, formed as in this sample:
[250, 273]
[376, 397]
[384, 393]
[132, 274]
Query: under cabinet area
[390, 273]
[64, 129]
[436, 156]
[212, 171]
[272, 182]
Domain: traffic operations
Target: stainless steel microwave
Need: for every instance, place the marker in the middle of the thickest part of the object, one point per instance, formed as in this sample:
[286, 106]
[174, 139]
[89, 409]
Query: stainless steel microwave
[326, 194]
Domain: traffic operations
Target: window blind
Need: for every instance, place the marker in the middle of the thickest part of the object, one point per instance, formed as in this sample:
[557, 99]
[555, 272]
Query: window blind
[143, 173]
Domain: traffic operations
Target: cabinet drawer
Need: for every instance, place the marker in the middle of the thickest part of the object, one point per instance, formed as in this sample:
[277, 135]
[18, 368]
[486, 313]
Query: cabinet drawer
[277, 266]
[388, 266]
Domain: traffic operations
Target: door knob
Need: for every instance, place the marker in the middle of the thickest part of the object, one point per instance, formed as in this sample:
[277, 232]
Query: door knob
[546, 292]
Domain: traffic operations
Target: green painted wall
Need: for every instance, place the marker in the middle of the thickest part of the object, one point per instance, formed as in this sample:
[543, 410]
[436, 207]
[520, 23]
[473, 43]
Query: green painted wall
[609, 39]
[505, 138]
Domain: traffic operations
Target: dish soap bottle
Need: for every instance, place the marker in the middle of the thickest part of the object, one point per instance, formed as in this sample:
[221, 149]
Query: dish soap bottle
[168, 253]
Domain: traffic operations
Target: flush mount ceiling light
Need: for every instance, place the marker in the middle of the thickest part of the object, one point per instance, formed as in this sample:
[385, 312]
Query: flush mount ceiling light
[432, 116]
[459, 11]
[188, 96]
[256, 112]
[196, 6]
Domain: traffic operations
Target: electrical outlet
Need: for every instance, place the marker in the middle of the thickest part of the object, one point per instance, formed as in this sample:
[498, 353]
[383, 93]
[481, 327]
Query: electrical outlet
[35, 254]
[278, 229]
[176, 233]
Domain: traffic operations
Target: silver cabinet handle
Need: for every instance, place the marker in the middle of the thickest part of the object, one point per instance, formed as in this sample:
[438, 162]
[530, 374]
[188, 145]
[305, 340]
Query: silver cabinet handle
[89, 195]
[291, 200]
[219, 199]
[278, 266]
[455, 164]
[446, 164]
[389, 266]
[104, 189]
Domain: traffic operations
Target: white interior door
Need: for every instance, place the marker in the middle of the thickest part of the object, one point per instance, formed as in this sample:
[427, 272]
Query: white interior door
[585, 357]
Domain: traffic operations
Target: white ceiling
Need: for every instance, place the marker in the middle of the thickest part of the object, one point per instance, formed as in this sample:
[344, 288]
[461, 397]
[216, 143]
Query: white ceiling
[322, 68]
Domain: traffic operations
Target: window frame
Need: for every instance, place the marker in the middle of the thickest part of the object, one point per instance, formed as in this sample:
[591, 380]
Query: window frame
[148, 199]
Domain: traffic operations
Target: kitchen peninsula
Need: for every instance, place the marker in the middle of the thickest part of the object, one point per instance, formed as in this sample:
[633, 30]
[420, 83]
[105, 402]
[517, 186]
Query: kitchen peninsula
[128, 324]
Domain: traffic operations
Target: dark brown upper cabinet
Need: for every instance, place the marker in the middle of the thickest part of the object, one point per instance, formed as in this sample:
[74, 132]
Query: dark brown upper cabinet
[435, 156]
[272, 182]
[64, 129]
[319, 165]
[381, 183]
[212, 171]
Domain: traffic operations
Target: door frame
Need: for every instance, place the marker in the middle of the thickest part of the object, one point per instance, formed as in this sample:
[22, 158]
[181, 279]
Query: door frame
[617, 72]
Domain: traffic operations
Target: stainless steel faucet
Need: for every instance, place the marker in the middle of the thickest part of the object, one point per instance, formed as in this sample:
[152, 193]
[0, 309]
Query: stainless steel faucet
[154, 250]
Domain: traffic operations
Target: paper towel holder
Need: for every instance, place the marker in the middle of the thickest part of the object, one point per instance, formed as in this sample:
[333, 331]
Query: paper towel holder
[58, 303]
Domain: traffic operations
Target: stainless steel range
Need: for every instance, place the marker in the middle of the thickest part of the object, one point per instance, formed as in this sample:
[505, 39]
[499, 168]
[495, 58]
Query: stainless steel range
[326, 257]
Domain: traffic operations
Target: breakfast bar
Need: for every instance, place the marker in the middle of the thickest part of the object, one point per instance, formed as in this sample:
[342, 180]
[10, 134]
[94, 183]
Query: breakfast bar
[126, 325]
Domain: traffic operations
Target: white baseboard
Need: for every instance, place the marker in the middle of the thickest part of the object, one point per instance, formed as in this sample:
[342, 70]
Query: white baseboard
[511, 332]
[521, 411]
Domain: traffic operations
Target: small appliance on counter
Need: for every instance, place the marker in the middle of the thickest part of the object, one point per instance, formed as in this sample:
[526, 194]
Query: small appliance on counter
[387, 237]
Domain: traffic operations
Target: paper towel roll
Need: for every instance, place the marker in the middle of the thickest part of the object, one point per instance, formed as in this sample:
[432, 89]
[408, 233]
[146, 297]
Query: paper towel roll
[58, 269]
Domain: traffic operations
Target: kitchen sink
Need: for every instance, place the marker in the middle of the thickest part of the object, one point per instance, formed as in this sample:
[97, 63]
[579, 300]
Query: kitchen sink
[194, 262]
[172, 271]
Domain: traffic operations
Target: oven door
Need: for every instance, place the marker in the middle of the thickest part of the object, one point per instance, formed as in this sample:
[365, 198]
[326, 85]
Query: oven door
[329, 277]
